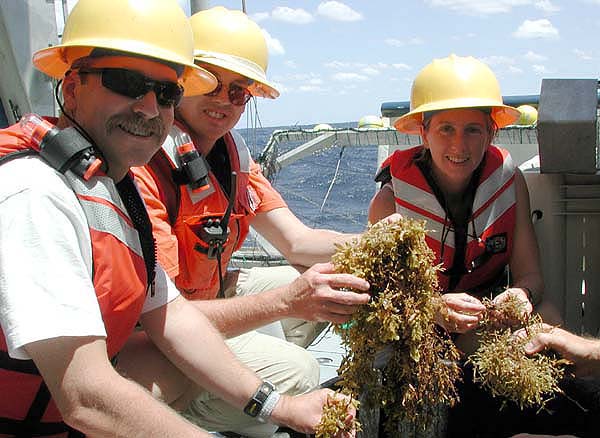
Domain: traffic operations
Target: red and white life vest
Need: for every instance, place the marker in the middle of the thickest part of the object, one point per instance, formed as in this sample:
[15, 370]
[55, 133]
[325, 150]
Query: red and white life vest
[490, 227]
[120, 281]
[198, 276]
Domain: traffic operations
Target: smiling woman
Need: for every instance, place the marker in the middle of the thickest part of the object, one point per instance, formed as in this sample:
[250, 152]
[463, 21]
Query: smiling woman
[472, 197]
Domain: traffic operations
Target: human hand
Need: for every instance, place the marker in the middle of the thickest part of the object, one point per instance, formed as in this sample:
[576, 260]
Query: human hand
[460, 312]
[394, 217]
[303, 412]
[520, 294]
[316, 295]
[583, 352]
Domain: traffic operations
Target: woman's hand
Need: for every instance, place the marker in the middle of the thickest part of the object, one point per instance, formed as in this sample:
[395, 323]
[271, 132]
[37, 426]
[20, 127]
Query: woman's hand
[520, 294]
[460, 312]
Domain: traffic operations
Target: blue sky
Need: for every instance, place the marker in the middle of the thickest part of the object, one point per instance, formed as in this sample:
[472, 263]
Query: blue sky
[336, 61]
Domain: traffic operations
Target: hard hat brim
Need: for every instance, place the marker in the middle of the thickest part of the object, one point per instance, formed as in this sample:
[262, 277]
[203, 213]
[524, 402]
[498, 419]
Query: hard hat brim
[261, 87]
[57, 60]
[503, 115]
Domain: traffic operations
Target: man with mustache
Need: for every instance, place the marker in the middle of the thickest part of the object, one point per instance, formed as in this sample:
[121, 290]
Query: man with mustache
[77, 262]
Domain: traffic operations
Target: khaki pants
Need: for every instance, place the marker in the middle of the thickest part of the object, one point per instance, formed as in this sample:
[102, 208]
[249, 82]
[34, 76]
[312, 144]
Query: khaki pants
[267, 351]
[290, 368]
[259, 279]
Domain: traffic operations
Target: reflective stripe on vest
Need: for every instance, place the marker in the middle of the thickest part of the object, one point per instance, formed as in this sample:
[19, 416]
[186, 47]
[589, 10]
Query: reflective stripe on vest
[493, 211]
[104, 210]
[26, 409]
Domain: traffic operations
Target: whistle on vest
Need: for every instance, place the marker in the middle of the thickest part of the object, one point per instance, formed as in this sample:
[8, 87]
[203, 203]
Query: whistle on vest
[214, 233]
[64, 149]
[194, 167]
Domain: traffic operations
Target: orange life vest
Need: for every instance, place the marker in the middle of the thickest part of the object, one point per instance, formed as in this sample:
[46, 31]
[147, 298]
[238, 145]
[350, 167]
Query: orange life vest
[490, 228]
[120, 281]
[190, 210]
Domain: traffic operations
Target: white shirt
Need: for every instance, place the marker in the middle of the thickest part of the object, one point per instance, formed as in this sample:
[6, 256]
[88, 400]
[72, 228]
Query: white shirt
[46, 287]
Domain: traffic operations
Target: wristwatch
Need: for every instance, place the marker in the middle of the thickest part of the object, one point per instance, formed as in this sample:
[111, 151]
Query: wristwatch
[255, 405]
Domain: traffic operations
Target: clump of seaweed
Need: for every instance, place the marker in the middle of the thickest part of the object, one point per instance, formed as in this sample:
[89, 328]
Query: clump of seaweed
[501, 365]
[334, 413]
[421, 368]
[509, 313]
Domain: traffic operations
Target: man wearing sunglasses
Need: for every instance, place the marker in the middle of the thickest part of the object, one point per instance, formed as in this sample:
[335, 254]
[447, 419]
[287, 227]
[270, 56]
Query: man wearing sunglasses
[200, 218]
[77, 259]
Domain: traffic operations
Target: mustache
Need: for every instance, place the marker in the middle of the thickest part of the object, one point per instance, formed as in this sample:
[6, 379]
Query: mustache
[137, 125]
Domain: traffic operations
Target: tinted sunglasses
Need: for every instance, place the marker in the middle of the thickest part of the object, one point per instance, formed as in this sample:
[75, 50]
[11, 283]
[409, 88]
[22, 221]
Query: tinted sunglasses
[135, 85]
[237, 94]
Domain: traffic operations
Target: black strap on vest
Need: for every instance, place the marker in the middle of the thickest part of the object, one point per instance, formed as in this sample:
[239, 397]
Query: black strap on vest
[31, 425]
[17, 154]
[460, 225]
[141, 221]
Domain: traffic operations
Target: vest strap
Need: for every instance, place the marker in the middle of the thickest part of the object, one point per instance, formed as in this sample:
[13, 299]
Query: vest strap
[17, 365]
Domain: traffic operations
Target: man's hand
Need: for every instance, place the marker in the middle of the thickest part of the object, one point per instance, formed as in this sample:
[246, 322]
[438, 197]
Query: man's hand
[583, 352]
[316, 295]
[303, 412]
[460, 312]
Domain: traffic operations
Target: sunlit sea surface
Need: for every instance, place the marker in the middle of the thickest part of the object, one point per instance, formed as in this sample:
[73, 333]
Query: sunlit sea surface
[305, 183]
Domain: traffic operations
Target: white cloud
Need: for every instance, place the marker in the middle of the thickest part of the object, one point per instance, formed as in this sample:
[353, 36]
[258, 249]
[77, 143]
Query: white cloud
[498, 60]
[338, 11]
[538, 68]
[542, 28]
[478, 7]
[337, 64]
[368, 69]
[534, 57]
[582, 55]
[289, 15]
[371, 71]
[260, 16]
[515, 70]
[546, 6]
[351, 77]
[309, 88]
[394, 42]
[462, 37]
[290, 63]
[273, 44]
[401, 66]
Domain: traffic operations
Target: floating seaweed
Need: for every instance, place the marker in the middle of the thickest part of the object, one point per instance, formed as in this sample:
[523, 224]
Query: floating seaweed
[501, 365]
[421, 368]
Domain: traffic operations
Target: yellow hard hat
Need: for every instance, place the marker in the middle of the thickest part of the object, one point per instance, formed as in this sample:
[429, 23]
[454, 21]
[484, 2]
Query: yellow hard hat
[157, 29]
[229, 39]
[455, 82]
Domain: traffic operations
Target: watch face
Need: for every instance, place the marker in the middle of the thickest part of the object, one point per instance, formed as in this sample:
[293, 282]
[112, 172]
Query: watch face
[253, 408]
[255, 404]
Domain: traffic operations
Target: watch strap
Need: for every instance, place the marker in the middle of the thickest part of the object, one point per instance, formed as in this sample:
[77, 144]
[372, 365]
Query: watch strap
[256, 403]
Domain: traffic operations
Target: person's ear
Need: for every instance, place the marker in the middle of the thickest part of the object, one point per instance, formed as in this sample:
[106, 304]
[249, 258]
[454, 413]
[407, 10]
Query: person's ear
[423, 134]
[70, 88]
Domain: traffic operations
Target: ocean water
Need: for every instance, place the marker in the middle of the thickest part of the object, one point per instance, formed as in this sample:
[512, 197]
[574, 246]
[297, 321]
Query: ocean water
[305, 183]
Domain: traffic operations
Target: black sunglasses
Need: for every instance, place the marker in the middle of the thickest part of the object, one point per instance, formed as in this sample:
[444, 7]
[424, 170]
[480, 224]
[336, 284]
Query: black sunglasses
[237, 94]
[135, 85]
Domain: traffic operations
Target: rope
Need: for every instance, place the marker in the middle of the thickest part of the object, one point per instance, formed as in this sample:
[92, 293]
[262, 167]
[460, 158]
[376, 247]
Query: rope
[337, 169]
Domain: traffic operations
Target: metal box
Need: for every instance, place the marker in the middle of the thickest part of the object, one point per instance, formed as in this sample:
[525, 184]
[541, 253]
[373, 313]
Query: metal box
[567, 131]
